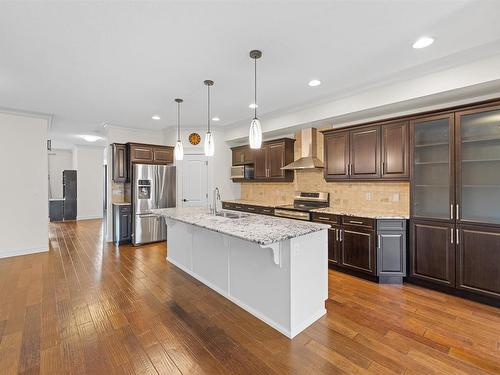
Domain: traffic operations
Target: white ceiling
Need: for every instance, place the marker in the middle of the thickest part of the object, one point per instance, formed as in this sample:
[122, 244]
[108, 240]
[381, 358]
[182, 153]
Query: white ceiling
[121, 62]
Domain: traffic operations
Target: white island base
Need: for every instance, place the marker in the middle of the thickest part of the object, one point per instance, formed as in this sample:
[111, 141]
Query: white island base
[285, 284]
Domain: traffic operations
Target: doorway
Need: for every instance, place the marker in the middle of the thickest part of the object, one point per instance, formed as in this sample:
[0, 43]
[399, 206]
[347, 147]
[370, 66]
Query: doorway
[194, 190]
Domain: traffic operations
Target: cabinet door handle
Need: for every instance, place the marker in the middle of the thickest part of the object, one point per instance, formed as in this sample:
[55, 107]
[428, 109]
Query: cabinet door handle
[451, 212]
[336, 234]
[378, 241]
[341, 235]
[458, 212]
[458, 238]
[356, 222]
[451, 232]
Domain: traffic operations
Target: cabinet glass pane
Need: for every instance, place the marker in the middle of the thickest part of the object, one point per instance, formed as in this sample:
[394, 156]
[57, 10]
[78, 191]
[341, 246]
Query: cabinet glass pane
[480, 167]
[431, 168]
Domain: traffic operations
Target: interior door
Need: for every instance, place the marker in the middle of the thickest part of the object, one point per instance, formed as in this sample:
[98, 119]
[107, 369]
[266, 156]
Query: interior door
[365, 152]
[194, 181]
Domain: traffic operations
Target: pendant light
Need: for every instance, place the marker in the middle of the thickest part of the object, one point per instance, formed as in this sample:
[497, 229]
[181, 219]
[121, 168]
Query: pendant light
[209, 139]
[178, 150]
[255, 133]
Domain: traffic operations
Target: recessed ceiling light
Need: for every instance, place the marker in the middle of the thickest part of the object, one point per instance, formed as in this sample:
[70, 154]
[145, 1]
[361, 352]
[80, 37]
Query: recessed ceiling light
[155, 117]
[314, 82]
[215, 118]
[423, 42]
[253, 105]
[90, 138]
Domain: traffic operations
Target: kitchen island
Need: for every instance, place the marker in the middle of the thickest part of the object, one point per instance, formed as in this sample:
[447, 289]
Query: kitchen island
[274, 268]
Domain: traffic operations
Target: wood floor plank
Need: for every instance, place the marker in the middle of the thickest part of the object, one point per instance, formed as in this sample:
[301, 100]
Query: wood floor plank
[89, 307]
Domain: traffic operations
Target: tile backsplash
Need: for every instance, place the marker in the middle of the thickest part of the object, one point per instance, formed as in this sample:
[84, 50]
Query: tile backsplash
[378, 197]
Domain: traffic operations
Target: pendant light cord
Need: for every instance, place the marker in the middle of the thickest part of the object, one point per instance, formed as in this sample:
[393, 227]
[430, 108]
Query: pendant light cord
[255, 89]
[178, 121]
[208, 112]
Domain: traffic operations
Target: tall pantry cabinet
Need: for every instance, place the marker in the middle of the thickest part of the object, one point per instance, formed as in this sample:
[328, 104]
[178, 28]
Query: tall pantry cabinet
[455, 210]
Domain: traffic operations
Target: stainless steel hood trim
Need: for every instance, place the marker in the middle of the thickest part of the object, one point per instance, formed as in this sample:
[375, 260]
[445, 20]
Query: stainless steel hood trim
[309, 159]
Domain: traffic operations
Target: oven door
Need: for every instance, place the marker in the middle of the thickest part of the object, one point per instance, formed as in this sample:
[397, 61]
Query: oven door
[299, 215]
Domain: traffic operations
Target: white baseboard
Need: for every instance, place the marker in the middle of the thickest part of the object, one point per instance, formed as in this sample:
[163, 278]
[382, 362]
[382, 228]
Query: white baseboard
[18, 252]
[90, 217]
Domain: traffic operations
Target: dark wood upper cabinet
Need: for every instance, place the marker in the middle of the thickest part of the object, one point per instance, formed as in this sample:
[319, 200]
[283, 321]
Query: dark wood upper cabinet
[261, 158]
[365, 153]
[150, 154]
[120, 162]
[478, 260]
[336, 155]
[432, 252]
[267, 160]
[395, 150]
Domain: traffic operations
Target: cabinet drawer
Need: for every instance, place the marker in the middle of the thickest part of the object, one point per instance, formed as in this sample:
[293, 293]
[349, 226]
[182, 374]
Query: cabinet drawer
[266, 210]
[125, 209]
[358, 221]
[325, 218]
[228, 206]
[251, 209]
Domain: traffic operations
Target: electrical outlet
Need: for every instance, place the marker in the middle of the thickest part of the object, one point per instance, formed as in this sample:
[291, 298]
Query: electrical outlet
[368, 195]
[395, 197]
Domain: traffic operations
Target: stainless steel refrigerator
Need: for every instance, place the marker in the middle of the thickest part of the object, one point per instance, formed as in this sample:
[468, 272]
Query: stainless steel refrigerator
[153, 186]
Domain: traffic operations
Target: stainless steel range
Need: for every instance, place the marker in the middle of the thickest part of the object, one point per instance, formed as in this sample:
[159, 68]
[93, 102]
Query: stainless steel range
[303, 204]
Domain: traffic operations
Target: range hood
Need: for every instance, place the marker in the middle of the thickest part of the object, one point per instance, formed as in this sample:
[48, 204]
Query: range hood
[309, 150]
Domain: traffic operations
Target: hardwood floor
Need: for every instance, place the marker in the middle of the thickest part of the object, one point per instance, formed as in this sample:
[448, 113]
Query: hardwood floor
[88, 308]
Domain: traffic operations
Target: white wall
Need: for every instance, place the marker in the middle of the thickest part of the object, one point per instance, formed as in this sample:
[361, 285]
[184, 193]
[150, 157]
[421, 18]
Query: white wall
[89, 162]
[218, 165]
[23, 188]
[59, 160]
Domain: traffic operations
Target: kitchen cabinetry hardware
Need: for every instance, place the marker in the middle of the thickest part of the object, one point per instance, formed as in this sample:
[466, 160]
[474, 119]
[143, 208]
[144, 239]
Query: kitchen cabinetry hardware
[451, 211]
[451, 234]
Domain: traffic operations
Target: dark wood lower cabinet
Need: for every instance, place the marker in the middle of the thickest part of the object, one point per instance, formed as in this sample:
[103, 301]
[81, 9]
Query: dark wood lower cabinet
[333, 245]
[478, 260]
[432, 255]
[358, 249]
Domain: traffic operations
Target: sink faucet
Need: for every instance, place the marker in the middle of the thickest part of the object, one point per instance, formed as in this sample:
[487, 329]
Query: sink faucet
[216, 198]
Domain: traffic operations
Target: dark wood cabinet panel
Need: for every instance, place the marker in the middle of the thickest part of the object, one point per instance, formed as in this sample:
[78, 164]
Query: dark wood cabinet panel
[336, 156]
[163, 155]
[432, 252]
[150, 154]
[120, 162]
[395, 150]
[268, 160]
[358, 249]
[261, 157]
[276, 159]
[478, 260]
[365, 153]
[334, 245]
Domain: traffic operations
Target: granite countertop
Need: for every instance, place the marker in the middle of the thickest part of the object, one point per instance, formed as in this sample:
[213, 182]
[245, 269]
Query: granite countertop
[336, 211]
[261, 229]
[249, 202]
[122, 204]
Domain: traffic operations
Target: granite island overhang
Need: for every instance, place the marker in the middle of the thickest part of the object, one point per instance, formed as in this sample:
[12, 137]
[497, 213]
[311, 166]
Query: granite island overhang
[274, 268]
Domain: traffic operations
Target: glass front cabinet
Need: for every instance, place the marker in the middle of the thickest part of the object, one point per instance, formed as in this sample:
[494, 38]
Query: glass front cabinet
[455, 200]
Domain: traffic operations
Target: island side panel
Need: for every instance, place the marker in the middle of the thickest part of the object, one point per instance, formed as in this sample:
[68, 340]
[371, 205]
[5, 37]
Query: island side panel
[309, 279]
[258, 284]
[199, 252]
[180, 244]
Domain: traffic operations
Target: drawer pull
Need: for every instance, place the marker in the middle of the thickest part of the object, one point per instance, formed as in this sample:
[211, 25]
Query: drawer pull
[238, 207]
[324, 218]
[250, 209]
[356, 222]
